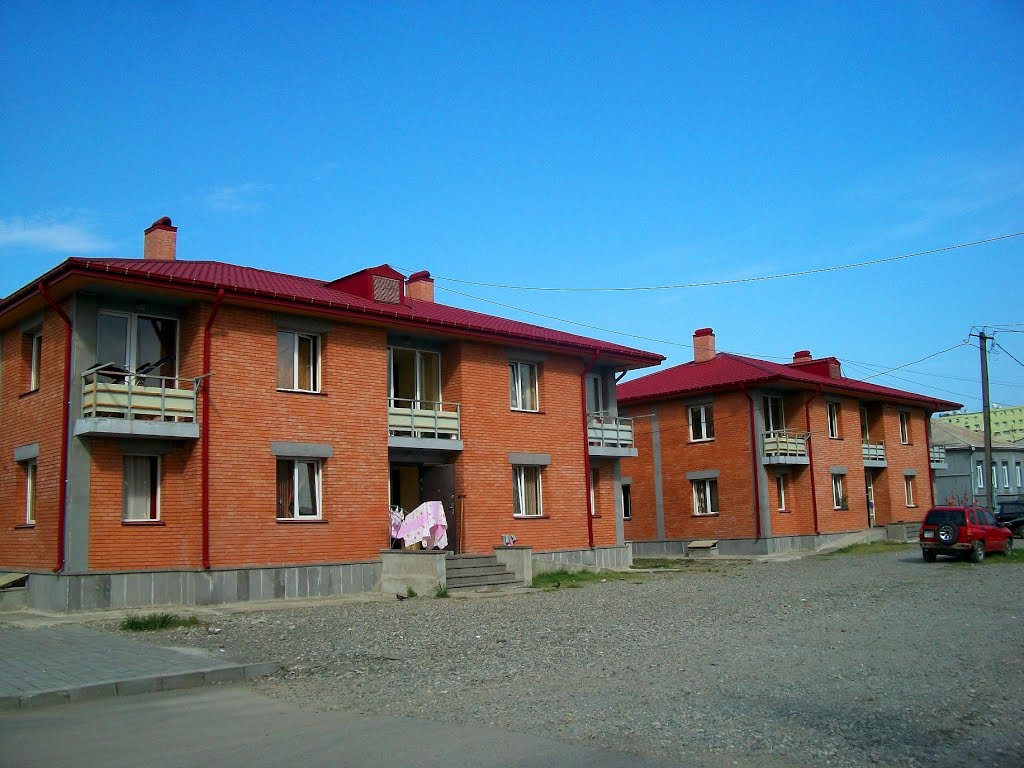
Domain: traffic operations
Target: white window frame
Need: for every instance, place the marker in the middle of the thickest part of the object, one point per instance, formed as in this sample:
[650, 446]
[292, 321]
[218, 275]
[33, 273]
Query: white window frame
[35, 361]
[515, 368]
[627, 501]
[979, 471]
[780, 491]
[705, 493]
[905, 427]
[703, 416]
[295, 465]
[995, 476]
[1006, 474]
[908, 490]
[419, 385]
[30, 491]
[594, 480]
[865, 429]
[595, 392]
[1020, 474]
[132, 340]
[833, 419]
[519, 490]
[127, 477]
[315, 340]
[769, 419]
[837, 492]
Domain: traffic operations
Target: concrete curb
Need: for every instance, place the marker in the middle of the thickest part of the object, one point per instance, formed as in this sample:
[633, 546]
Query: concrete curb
[231, 673]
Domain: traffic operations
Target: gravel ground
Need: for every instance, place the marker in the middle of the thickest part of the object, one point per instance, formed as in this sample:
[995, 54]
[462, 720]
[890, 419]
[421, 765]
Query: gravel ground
[848, 660]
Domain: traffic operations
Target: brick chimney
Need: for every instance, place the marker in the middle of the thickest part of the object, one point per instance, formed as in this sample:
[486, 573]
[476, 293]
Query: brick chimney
[703, 345]
[160, 240]
[420, 286]
[803, 356]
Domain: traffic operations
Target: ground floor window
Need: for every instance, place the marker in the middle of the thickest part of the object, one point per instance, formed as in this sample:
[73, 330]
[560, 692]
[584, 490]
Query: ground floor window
[298, 489]
[141, 488]
[908, 487]
[593, 491]
[838, 498]
[780, 491]
[705, 497]
[627, 502]
[30, 493]
[526, 492]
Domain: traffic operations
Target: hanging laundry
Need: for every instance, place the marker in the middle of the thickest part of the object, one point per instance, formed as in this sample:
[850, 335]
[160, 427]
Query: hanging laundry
[426, 525]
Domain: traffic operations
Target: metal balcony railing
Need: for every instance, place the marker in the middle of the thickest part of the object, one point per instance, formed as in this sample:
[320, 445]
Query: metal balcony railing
[873, 450]
[425, 419]
[110, 391]
[610, 431]
[937, 454]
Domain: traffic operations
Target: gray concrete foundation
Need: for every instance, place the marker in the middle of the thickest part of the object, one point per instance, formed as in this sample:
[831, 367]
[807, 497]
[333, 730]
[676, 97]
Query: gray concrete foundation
[596, 559]
[754, 547]
[519, 560]
[423, 571]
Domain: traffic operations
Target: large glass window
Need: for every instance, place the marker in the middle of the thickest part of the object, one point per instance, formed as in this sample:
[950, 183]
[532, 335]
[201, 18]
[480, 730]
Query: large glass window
[526, 492]
[298, 361]
[774, 418]
[141, 344]
[702, 423]
[141, 488]
[415, 378]
[522, 385]
[298, 489]
[705, 497]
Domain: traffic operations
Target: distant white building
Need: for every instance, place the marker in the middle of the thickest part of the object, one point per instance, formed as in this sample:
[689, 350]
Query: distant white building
[1007, 423]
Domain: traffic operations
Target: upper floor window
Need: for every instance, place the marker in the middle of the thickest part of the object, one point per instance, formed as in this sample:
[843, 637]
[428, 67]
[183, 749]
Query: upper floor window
[833, 420]
[137, 344]
[702, 423]
[522, 386]
[415, 378]
[298, 489]
[298, 361]
[904, 427]
[140, 499]
[595, 393]
[774, 418]
[865, 432]
[526, 492]
[33, 348]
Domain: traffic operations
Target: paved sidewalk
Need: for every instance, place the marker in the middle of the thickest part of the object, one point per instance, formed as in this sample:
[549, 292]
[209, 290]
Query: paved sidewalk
[57, 665]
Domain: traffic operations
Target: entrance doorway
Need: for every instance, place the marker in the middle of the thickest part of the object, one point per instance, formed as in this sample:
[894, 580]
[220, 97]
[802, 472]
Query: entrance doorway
[413, 484]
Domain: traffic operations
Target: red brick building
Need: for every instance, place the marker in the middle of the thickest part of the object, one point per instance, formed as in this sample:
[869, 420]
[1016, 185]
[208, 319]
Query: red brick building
[766, 457]
[193, 431]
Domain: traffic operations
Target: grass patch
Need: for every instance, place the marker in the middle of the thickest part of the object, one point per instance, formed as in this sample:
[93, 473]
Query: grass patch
[441, 591]
[410, 592]
[710, 565]
[565, 579]
[659, 562]
[154, 622]
[871, 548]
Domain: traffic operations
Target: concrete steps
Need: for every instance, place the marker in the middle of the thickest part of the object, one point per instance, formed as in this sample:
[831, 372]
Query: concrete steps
[473, 572]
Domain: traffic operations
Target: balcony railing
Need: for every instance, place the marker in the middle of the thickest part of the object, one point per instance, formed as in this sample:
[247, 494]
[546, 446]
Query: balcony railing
[873, 451]
[937, 454]
[112, 392]
[782, 446]
[423, 419]
[610, 431]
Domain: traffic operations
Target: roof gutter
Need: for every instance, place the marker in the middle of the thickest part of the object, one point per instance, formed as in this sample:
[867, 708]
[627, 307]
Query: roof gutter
[753, 460]
[206, 430]
[65, 414]
[586, 447]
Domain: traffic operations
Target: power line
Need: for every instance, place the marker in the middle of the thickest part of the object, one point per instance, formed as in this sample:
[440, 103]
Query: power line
[915, 362]
[733, 281]
[1018, 362]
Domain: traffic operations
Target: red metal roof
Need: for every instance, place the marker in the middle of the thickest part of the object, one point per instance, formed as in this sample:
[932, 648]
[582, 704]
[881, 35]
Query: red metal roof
[256, 284]
[727, 371]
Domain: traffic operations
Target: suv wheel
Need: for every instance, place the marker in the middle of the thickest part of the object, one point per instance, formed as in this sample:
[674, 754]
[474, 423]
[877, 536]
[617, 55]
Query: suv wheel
[977, 552]
[928, 555]
[948, 533]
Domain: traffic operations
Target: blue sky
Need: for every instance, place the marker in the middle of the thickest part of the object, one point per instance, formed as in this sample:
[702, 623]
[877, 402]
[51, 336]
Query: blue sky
[547, 144]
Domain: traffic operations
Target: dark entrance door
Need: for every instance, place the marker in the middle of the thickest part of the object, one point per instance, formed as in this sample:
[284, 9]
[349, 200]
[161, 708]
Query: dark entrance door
[437, 483]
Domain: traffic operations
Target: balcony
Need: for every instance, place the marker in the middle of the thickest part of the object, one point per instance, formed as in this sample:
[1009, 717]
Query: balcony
[610, 436]
[780, 446]
[874, 453]
[937, 455]
[424, 425]
[119, 403]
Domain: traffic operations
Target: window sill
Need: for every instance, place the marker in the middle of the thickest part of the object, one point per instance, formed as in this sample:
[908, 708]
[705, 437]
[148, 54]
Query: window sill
[702, 440]
[911, 506]
[530, 517]
[840, 509]
[784, 511]
[301, 392]
[143, 523]
[25, 527]
[28, 392]
[710, 514]
[523, 410]
[300, 521]
[830, 437]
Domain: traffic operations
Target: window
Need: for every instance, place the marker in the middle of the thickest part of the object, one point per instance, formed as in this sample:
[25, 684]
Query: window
[780, 491]
[904, 427]
[137, 343]
[595, 393]
[995, 477]
[627, 501]
[415, 378]
[833, 420]
[908, 489]
[774, 418]
[34, 355]
[705, 497]
[980, 473]
[298, 361]
[702, 423]
[141, 489]
[1020, 475]
[522, 386]
[838, 499]
[298, 489]
[1006, 474]
[30, 493]
[526, 492]
[594, 480]
[864, 430]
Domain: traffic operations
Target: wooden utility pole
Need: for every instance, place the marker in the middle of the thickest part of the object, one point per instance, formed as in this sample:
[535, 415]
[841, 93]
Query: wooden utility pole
[990, 495]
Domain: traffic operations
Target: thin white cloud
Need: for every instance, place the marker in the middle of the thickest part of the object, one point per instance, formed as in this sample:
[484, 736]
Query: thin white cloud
[238, 197]
[50, 235]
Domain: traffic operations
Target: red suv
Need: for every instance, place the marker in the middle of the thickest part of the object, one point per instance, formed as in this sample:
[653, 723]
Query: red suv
[969, 532]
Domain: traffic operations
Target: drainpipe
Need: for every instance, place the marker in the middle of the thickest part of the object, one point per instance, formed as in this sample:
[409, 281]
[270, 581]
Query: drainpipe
[65, 412]
[206, 430]
[810, 458]
[586, 446]
[753, 461]
[928, 457]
